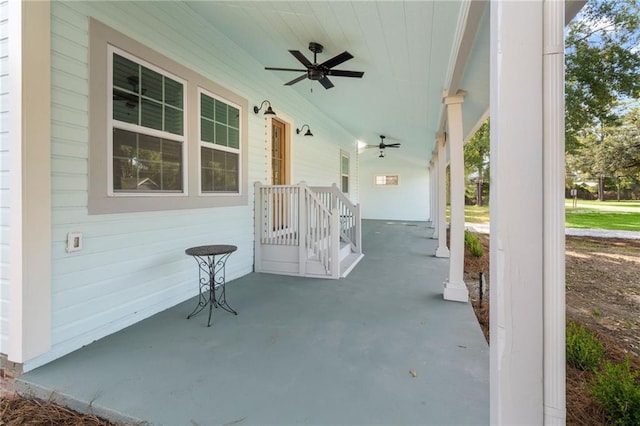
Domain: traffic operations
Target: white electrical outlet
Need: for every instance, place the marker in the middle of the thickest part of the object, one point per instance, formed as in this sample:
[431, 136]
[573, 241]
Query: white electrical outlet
[74, 241]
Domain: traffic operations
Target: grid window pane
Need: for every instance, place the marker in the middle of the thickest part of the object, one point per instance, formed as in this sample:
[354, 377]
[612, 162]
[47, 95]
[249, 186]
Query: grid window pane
[234, 138]
[173, 93]
[221, 135]
[143, 163]
[151, 84]
[345, 184]
[219, 171]
[234, 117]
[125, 74]
[145, 97]
[125, 106]
[173, 120]
[345, 165]
[151, 114]
[206, 106]
[221, 112]
[206, 130]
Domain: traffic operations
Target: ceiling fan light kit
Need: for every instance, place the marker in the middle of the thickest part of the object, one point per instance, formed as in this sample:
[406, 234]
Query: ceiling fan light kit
[319, 72]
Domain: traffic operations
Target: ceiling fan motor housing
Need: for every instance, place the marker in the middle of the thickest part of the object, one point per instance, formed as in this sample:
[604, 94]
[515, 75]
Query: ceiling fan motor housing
[315, 74]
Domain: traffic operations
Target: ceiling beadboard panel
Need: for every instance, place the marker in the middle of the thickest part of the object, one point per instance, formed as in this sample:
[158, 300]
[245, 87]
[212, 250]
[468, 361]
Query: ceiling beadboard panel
[403, 47]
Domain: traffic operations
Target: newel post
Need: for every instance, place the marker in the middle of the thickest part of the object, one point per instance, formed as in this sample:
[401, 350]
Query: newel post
[302, 228]
[258, 218]
[335, 243]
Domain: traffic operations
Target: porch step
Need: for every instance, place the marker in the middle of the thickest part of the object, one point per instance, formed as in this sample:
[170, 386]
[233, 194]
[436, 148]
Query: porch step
[349, 262]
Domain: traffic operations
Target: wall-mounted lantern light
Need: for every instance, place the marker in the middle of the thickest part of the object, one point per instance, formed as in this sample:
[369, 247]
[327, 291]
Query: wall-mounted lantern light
[269, 110]
[308, 132]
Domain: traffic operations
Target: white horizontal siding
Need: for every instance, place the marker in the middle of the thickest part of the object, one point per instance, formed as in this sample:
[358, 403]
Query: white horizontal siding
[133, 265]
[4, 178]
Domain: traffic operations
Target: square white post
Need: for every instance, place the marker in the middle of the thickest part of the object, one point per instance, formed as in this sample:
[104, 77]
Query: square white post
[516, 350]
[455, 289]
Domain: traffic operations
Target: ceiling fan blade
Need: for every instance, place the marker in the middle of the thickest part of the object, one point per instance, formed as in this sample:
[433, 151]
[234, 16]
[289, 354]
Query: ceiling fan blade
[326, 83]
[341, 73]
[299, 56]
[337, 60]
[283, 69]
[295, 80]
[392, 145]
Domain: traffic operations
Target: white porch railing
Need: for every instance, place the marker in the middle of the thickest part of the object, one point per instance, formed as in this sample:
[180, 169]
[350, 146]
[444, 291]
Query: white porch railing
[350, 230]
[298, 231]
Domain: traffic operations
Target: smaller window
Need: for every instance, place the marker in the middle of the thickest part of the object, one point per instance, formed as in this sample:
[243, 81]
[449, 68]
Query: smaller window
[219, 145]
[344, 172]
[386, 180]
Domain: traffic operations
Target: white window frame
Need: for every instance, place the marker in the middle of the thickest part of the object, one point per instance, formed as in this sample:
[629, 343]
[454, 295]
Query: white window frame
[345, 154]
[385, 176]
[135, 128]
[102, 199]
[210, 145]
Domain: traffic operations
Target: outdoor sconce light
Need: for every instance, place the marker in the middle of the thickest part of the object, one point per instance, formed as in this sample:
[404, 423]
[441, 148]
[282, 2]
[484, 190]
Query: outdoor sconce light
[308, 133]
[269, 111]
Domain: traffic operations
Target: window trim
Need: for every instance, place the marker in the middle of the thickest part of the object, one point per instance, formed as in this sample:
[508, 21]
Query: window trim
[99, 200]
[345, 154]
[386, 185]
[210, 145]
[135, 128]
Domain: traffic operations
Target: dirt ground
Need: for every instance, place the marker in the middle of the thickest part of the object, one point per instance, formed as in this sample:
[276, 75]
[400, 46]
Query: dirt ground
[603, 293]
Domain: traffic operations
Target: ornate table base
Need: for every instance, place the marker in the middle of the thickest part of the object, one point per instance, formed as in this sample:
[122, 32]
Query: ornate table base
[211, 274]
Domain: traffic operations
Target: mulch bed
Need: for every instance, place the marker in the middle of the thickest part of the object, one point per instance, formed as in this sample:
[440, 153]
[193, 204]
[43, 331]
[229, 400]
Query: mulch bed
[15, 410]
[582, 409]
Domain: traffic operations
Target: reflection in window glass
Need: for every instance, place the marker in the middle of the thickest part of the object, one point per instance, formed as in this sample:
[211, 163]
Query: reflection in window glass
[143, 163]
[145, 97]
[220, 146]
[219, 170]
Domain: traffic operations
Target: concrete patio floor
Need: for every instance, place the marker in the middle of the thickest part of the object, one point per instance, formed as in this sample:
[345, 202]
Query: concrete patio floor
[301, 351]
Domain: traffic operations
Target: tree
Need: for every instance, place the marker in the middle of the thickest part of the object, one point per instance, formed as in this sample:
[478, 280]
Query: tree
[615, 152]
[476, 159]
[602, 66]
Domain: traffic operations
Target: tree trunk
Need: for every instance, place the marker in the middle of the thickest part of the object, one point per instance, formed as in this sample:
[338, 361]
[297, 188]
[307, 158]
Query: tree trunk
[601, 188]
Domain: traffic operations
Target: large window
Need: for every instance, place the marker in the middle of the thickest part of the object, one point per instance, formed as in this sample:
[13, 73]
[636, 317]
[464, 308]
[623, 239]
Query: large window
[147, 122]
[162, 136]
[219, 145]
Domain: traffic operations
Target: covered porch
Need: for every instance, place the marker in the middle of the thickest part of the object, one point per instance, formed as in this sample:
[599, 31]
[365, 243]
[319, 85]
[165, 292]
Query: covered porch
[301, 351]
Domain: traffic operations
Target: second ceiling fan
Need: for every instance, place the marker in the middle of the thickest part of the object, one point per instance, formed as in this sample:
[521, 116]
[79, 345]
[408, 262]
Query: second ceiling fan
[319, 72]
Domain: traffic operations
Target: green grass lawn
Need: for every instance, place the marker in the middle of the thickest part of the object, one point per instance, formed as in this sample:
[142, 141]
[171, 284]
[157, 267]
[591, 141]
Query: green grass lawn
[575, 218]
[622, 221]
[624, 203]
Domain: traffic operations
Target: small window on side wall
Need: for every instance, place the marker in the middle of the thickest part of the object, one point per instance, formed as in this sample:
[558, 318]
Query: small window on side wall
[344, 172]
[386, 180]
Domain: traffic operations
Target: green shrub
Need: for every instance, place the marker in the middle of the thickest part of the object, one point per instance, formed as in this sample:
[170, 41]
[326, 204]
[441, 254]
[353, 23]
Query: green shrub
[473, 243]
[584, 350]
[617, 389]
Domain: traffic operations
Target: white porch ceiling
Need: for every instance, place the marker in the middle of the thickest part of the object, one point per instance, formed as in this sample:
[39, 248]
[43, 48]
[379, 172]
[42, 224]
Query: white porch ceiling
[407, 50]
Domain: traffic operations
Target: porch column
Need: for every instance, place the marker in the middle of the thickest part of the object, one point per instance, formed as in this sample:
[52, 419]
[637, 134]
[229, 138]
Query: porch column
[519, 208]
[29, 126]
[555, 412]
[431, 192]
[442, 250]
[434, 193]
[455, 289]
